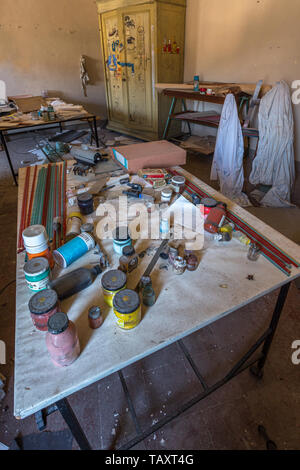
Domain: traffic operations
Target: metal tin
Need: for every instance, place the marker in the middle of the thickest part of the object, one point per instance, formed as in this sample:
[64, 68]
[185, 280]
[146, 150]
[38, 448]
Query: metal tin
[127, 309]
[74, 249]
[85, 203]
[42, 306]
[37, 274]
[112, 282]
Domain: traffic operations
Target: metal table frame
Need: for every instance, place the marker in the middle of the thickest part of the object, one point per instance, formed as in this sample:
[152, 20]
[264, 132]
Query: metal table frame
[256, 366]
[90, 118]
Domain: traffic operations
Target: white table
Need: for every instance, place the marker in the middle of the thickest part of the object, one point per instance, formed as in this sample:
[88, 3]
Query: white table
[39, 385]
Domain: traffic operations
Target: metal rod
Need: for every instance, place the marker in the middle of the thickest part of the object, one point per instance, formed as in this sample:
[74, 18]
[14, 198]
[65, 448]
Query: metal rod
[192, 364]
[73, 424]
[130, 403]
[8, 157]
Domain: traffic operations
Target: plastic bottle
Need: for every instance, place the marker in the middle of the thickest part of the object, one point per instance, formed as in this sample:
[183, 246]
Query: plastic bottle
[75, 281]
[215, 218]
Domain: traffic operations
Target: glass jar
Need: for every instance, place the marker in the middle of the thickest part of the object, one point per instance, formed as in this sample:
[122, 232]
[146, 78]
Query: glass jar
[129, 260]
[179, 265]
[62, 340]
[95, 318]
[254, 252]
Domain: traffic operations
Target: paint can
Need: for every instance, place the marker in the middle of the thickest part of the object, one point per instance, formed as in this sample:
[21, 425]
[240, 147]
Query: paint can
[85, 203]
[74, 249]
[209, 203]
[37, 274]
[112, 282]
[42, 306]
[36, 243]
[121, 238]
[127, 309]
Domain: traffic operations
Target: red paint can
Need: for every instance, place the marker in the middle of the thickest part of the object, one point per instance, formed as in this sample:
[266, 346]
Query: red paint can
[42, 306]
[208, 203]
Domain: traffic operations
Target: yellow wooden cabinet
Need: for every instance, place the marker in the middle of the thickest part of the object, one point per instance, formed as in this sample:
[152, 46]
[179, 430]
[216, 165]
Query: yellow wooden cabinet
[142, 44]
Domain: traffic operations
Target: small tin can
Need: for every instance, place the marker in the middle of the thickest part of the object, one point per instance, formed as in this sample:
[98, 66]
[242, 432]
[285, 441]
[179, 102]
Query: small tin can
[85, 203]
[112, 282]
[209, 203]
[37, 274]
[95, 318]
[127, 309]
[42, 306]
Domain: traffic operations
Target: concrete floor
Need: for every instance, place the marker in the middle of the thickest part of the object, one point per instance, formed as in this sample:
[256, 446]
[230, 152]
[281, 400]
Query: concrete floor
[160, 383]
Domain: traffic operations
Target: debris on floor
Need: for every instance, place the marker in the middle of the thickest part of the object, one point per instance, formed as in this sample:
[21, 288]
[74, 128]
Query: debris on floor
[205, 144]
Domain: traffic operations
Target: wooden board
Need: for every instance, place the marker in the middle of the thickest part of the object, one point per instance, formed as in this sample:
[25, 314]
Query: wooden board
[28, 105]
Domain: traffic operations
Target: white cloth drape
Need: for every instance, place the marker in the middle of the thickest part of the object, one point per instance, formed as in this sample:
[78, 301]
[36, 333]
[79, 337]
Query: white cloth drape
[229, 152]
[274, 164]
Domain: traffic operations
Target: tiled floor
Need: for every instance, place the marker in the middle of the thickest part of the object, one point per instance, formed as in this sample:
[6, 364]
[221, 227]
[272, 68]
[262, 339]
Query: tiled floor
[159, 384]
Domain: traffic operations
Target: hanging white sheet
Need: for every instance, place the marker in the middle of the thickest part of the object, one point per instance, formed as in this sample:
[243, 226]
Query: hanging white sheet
[274, 164]
[229, 152]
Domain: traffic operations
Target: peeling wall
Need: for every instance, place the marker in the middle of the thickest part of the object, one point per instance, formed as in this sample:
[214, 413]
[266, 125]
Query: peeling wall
[41, 42]
[244, 40]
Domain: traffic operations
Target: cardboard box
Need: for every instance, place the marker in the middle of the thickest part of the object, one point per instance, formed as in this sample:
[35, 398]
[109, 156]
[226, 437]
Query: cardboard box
[159, 154]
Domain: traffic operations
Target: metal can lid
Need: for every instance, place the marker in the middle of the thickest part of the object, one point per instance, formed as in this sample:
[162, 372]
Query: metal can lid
[121, 234]
[208, 202]
[84, 198]
[36, 266]
[126, 301]
[113, 280]
[94, 312]
[128, 250]
[58, 323]
[43, 302]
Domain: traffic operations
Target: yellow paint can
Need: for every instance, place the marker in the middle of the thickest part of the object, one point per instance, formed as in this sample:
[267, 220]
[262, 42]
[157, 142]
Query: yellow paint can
[127, 309]
[112, 282]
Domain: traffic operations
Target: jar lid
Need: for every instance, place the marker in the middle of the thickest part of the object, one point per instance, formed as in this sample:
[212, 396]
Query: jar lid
[178, 180]
[113, 280]
[209, 202]
[121, 234]
[126, 301]
[36, 266]
[75, 214]
[84, 198]
[58, 323]
[128, 250]
[43, 302]
[94, 312]
[34, 235]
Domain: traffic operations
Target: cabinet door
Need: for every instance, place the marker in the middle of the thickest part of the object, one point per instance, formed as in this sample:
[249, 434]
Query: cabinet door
[138, 36]
[113, 48]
